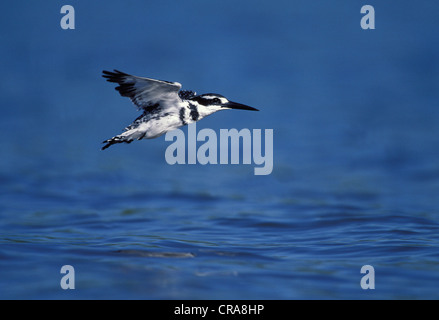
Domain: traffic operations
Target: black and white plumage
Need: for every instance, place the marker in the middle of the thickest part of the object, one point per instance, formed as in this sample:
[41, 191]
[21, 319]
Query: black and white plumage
[165, 107]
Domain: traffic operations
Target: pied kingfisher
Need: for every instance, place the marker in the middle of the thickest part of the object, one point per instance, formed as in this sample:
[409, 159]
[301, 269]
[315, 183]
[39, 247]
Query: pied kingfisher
[164, 106]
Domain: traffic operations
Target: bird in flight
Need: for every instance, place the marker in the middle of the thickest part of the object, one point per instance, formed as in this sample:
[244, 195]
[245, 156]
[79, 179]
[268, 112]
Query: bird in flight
[165, 107]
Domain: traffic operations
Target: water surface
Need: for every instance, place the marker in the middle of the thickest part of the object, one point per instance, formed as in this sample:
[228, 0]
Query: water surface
[356, 146]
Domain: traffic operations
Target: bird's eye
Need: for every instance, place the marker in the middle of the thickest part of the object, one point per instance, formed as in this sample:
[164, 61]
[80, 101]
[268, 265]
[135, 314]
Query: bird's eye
[216, 101]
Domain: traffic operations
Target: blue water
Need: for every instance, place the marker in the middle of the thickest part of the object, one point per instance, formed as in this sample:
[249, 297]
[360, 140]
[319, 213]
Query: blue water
[356, 152]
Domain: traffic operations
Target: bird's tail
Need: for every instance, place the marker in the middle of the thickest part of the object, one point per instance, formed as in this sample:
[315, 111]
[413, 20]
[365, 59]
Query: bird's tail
[127, 137]
[114, 140]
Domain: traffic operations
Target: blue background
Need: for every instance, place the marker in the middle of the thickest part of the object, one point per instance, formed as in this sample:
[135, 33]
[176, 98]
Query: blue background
[356, 152]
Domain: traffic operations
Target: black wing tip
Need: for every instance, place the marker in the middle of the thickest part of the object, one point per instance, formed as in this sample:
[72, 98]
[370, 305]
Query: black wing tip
[114, 76]
[126, 89]
[115, 71]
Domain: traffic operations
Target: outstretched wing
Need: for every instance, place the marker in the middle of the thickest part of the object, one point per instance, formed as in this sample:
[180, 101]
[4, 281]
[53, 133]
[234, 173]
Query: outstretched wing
[145, 92]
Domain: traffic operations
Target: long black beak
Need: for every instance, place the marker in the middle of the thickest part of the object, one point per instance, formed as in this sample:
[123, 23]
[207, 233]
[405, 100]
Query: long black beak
[235, 105]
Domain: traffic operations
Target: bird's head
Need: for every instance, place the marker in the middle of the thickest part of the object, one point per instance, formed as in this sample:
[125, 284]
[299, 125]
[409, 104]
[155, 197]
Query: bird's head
[213, 102]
